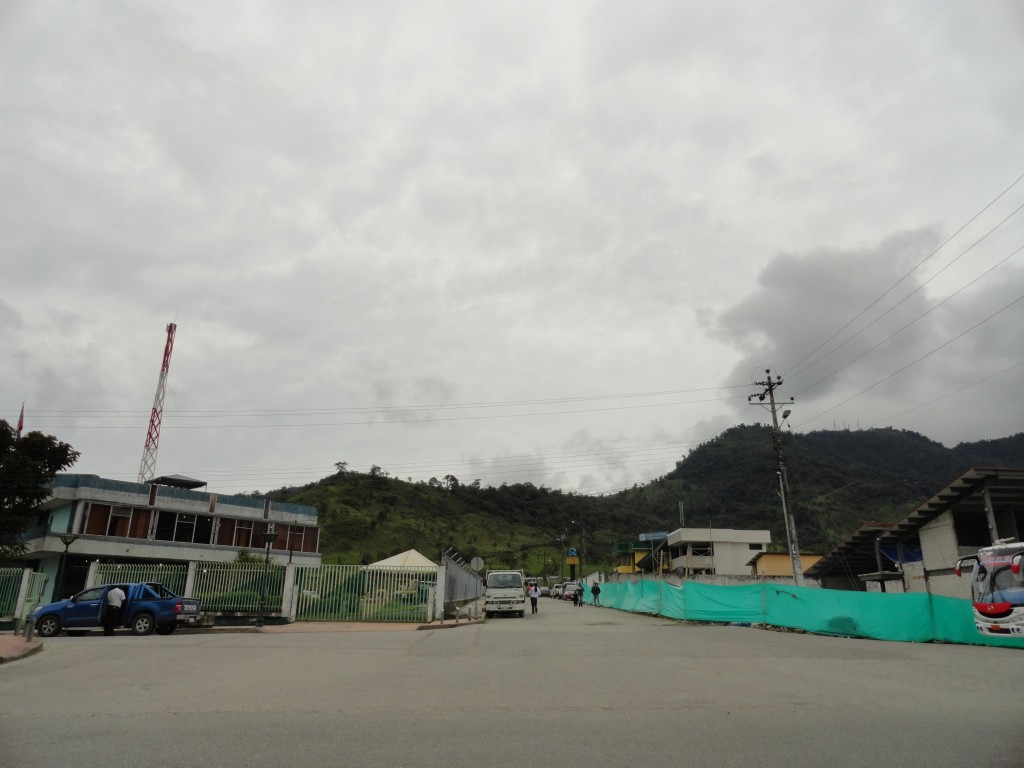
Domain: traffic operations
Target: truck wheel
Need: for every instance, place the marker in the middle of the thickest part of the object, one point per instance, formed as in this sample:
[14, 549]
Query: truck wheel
[143, 624]
[167, 629]
[48, 626]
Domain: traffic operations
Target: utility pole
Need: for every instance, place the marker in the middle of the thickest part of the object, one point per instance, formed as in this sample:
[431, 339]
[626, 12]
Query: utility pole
[770, 385]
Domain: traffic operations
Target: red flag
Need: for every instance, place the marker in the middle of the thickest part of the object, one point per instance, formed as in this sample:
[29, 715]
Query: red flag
[21, 419]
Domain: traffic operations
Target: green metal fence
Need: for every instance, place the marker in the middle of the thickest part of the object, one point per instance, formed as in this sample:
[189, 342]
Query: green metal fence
[172, 576]
[364, 593]
[236, 586]
[34, 596]
[10, 586]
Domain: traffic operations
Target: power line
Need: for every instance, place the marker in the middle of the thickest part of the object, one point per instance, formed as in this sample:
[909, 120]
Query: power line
[425, 420]
[190, 413]
[914, 269]
[957, 391]
[919, 317]
[915, 362]
[919, 288]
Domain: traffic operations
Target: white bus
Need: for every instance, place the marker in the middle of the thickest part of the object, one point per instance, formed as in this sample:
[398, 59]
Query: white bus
[997, 588]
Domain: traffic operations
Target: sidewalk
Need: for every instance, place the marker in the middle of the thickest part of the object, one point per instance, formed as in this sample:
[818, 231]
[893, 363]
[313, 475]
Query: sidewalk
[14, 647]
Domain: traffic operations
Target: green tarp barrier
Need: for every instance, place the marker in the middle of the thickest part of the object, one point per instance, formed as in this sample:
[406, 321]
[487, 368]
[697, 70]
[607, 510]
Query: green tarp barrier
[910, 618]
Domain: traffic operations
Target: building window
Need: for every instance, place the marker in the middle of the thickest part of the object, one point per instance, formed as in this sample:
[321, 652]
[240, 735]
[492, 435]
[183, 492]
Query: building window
[119, 522]
[755, 547]
[204, 530]
[165, 526]
[185, 528]
[96, 522]
[243, 533]
[188, 529]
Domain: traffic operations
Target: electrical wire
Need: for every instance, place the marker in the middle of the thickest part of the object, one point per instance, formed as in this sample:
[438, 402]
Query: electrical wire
[915, 362]
[916, 290]
[892, 287]
[912, 322]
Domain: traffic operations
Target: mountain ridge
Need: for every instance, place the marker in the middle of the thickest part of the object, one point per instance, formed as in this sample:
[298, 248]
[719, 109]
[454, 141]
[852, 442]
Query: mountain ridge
[838, 479]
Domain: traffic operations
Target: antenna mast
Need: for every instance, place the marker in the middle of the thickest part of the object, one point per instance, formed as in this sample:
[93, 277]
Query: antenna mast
[148, 466]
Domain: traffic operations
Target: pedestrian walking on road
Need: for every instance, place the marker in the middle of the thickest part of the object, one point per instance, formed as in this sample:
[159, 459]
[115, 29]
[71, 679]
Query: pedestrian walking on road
[534, 594]
[596, 592]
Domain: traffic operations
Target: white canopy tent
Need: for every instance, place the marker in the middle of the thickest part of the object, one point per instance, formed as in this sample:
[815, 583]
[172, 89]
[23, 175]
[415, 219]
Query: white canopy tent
[408, 558]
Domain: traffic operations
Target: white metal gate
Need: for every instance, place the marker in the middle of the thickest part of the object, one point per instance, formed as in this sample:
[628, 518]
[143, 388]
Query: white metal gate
[364, 593]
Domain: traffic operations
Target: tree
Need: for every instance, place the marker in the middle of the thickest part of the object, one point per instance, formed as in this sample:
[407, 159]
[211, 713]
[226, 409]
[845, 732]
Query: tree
[27, 465]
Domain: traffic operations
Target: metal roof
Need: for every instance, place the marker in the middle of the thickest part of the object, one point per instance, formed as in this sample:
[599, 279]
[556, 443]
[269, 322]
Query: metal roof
[1005, 487]
[856, 554]
[178, 481]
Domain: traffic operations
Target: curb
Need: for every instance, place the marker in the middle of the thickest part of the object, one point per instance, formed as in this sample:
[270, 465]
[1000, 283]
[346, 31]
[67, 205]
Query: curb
[451, 624]
[30, 648]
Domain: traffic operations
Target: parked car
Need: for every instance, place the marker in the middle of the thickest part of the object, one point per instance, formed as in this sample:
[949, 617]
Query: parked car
[148, 606]
[569, 589]
[545, 591]
[556, 591]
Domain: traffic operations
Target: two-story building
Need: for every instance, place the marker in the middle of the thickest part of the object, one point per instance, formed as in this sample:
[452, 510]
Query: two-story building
[88, 518]
[715, 551]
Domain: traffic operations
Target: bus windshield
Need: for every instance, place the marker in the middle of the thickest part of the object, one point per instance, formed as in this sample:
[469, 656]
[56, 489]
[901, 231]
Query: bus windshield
[994, 582]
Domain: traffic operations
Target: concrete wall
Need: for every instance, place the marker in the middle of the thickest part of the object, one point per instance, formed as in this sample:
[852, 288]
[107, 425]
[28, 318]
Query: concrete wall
[940, 551]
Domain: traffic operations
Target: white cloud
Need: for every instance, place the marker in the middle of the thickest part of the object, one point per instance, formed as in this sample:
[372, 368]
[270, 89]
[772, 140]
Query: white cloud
[523, 207]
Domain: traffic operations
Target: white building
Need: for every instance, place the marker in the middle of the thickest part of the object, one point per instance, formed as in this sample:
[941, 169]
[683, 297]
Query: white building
[718, 551]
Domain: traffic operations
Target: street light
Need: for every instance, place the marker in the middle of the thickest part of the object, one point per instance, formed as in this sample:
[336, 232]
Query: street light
[269, 537]
[68, 539]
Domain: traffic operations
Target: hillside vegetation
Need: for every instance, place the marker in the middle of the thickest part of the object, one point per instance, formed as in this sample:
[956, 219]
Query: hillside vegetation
[838, 480]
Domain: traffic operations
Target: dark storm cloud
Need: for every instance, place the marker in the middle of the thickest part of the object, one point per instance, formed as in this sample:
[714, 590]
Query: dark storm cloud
[852, 325]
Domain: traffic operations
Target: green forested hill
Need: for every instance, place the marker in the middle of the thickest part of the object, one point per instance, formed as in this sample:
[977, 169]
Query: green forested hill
[838, 480]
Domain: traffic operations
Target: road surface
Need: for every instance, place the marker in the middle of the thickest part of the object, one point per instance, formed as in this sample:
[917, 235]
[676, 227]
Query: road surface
[566, 687]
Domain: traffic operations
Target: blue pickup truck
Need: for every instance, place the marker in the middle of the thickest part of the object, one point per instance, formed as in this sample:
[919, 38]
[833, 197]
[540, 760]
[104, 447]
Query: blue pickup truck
[148, 606]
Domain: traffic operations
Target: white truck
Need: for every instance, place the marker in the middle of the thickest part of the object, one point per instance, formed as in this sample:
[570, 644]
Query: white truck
[504, 593]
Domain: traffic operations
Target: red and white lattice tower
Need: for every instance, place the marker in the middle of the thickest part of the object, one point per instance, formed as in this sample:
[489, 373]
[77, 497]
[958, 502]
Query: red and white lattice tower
[148, 466]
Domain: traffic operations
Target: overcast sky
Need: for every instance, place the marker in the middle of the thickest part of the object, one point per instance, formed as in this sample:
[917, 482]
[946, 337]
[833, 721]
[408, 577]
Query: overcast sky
[555, 242]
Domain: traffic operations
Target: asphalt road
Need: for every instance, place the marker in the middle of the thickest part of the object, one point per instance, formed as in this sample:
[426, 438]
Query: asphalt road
[569, 686]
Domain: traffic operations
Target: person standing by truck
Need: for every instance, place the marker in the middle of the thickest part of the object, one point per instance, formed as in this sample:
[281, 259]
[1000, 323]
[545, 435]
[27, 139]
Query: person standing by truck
[114, 606]
[534, 594]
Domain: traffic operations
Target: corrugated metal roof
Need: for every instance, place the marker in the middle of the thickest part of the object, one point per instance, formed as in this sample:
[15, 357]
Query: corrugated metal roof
[856, 554]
